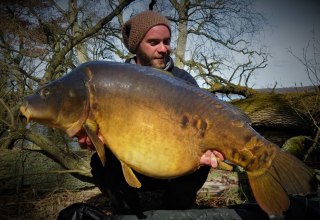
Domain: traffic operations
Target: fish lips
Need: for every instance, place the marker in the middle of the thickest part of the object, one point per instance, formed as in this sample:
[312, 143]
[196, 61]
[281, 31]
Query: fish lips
[37, 114]
[25, 112]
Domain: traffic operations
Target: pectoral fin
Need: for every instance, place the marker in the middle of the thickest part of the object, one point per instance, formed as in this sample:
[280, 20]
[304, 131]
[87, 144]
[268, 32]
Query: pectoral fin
[129, 175]
[98, 144]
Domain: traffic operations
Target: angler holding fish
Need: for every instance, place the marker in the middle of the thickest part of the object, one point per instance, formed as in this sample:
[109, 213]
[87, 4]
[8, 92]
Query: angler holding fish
[157, 128]
[148, 35]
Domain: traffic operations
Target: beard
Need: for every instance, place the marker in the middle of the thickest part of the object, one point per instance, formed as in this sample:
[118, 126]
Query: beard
[146, 60]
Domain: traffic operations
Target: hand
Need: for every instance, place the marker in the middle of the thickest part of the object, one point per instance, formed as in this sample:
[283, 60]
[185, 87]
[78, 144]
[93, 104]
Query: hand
[210, 158]
[85, 142]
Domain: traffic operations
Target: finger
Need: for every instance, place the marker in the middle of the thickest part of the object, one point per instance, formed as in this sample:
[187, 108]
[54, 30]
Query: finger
[218, 154]
[213, 161]
[82, 142]
[206, 158]
[89, 144]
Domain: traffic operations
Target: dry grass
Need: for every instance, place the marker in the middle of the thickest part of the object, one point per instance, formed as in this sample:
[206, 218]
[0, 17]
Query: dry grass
[30, 205]
[220, 190]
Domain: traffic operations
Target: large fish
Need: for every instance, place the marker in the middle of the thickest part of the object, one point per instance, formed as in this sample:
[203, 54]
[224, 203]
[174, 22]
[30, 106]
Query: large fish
[160, 126]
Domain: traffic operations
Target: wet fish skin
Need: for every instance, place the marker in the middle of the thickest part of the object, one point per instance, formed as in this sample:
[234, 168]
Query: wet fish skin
[63, 103]
[160, 126]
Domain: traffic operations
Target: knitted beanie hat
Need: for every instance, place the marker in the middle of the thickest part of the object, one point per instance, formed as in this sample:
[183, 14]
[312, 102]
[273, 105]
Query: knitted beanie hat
[136, 28]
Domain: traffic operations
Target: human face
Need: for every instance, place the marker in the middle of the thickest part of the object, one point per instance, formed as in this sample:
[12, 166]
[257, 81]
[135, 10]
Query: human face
[154, 48]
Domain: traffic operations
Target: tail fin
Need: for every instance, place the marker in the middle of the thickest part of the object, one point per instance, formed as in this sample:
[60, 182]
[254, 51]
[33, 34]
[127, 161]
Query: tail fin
[287, 175]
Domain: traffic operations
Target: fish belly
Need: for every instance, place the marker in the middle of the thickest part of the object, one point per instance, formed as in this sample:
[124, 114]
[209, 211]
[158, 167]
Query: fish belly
[150, 140]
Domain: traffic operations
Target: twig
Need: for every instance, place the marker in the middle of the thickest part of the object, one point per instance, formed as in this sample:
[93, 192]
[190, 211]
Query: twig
[9, 112]
[313, 146]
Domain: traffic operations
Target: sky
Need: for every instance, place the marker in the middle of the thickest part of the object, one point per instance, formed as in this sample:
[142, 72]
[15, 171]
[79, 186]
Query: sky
[290, 26]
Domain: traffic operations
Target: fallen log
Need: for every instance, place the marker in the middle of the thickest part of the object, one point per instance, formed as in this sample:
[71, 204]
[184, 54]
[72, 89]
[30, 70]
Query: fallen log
[22, 170]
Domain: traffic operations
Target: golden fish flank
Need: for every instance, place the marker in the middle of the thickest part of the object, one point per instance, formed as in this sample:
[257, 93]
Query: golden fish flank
[195, 122]
[180, 122]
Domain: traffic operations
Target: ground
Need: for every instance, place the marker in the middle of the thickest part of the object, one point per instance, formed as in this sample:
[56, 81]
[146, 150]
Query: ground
[220, 189]
[31, 205]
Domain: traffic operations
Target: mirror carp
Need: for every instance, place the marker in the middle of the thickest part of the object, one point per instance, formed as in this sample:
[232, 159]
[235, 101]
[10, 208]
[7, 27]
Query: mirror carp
[160, 126]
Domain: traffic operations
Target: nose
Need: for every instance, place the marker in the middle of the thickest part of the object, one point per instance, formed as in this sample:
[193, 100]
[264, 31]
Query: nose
[163, 48]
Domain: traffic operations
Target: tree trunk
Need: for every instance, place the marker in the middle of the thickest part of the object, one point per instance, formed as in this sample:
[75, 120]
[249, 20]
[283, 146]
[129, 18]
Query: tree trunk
[28, 169]
[53, 150]
[283, 115]
[284, 111]
[182, 9]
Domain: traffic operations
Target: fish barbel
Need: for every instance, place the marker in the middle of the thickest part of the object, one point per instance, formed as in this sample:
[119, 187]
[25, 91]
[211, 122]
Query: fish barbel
[160, 126]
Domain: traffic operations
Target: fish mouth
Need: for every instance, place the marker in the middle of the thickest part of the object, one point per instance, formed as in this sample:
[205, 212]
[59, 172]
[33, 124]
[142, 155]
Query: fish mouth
[25, 112]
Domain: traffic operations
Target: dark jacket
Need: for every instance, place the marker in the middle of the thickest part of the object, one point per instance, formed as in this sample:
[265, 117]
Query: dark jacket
[176, 72]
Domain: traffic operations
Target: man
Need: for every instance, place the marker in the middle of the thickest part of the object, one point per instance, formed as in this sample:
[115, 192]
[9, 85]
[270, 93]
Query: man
[148, 35]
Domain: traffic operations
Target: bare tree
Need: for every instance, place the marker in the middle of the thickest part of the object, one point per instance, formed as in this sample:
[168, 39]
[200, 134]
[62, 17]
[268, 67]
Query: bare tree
[310, 108]
[39, 42]
[42, 40]
[215, 42]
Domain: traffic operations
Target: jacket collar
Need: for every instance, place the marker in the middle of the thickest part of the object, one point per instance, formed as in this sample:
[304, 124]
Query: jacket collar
[168, 67]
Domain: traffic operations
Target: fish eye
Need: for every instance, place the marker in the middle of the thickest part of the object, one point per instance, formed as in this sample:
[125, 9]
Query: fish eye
[44, 92]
